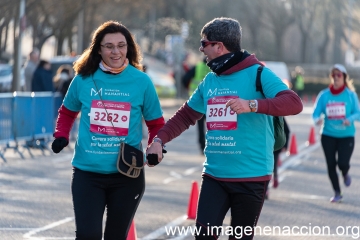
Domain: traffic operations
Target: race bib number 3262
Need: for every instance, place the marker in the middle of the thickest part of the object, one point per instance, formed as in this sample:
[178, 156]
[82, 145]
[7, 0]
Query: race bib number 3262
[113, 121]
[218, 117]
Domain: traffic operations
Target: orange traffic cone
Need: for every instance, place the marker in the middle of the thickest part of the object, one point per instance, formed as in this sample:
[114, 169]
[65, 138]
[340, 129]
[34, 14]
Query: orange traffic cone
[312, 139]
[305, 99]
[293, 145]
[193, 201]
[132, 232]
[313, 98]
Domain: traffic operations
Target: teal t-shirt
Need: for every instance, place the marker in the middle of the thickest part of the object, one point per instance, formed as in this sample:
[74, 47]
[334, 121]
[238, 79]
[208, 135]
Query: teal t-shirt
[335, 109]
[128, 97]
[237, 146]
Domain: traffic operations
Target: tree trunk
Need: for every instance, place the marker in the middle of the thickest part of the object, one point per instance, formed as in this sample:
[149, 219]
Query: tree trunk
[6, 35]
[279, 46]
[337, 54]
[60, 42]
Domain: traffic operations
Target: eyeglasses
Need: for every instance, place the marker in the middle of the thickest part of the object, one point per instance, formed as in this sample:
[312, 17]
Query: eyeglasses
[204, 43]
[336, 75]
[111, 47]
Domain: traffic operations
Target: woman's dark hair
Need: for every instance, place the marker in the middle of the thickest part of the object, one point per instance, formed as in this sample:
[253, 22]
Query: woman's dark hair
[89, 61]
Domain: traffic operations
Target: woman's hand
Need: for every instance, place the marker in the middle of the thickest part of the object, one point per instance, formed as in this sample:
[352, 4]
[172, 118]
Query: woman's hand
[319, 122]
[346, 122]
[154, 148]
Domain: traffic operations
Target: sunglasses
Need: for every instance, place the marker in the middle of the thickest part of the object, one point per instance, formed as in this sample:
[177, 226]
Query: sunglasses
[204, 43]
[336, 75]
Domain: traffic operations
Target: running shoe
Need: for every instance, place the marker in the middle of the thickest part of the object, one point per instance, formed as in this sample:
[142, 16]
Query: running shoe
[337, 198]
[347, 180]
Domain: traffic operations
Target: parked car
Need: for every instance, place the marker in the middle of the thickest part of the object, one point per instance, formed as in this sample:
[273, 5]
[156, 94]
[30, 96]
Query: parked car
[162, 77]
[57, 61]
[281, 70]
[6, 77]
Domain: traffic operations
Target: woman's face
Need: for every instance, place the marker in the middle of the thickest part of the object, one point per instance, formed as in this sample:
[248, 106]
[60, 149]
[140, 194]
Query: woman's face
[338, 78]
[113, 49]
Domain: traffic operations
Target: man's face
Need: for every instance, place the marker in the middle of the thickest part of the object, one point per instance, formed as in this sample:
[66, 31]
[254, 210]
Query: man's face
[209, 48]
[35, 56]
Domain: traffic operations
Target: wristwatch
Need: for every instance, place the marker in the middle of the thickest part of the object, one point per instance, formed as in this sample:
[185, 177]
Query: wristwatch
[159, 141]
[253, 105]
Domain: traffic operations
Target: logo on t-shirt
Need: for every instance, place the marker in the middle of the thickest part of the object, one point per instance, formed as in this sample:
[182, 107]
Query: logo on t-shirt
[211, 92]
[94, 92]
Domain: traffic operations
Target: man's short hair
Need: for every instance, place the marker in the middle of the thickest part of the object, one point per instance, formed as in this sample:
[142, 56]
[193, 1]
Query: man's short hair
[225, 30]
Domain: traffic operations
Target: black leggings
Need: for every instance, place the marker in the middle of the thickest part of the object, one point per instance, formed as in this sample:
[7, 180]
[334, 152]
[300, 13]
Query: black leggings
[201, 132]
[92, 192]
[276, 160]
[245, 199]
[343, 147]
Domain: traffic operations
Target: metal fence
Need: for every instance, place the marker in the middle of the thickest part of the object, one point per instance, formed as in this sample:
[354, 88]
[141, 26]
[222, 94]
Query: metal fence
[27, 120]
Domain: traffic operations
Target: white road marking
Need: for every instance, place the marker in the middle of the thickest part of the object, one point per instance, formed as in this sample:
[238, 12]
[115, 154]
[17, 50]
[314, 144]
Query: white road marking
[293, 160]
[305, 196]
[52, 225]
[176, 176]
[191, 170]
[160, 231]
[16, 229]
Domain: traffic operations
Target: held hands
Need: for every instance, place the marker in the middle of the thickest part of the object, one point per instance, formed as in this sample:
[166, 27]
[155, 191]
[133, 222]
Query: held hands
[154, 154]
[58, 144]
[238, 105]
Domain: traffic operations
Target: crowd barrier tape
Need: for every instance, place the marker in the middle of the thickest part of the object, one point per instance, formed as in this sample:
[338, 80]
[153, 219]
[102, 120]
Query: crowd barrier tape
[26, 117]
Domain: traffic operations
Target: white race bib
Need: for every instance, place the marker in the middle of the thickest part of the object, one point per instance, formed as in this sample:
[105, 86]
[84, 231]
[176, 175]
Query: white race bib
[219, 118]
[118, 113]
[335, 111]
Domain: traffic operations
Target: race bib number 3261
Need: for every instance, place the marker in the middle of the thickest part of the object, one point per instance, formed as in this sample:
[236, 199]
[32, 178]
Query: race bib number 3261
[113, 121]
[218, 117]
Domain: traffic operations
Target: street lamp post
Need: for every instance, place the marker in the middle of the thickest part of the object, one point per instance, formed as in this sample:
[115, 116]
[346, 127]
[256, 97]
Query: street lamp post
[18, 58]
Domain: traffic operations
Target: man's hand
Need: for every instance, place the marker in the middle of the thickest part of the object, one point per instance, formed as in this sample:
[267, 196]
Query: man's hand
[58, 144]
[238, 105]
[154, 148]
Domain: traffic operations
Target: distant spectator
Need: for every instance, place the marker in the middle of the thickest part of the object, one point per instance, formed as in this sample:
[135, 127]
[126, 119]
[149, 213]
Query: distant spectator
[30, 67]
[42, 78]
[63, 78]
[299, 81]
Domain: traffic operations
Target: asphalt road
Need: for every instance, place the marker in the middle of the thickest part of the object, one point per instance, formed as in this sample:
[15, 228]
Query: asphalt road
[35, 198]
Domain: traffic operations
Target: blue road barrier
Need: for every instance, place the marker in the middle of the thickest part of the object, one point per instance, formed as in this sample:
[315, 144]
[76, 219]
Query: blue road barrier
[6, 126]
[29, 118]
[22, 116]
[43, 115]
